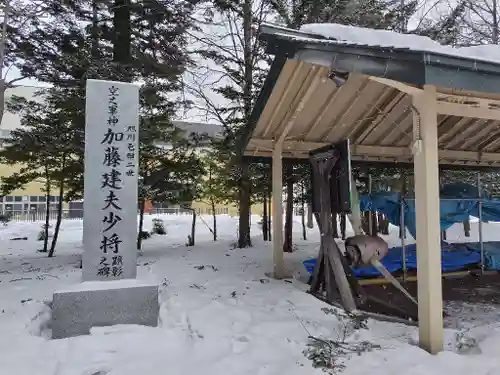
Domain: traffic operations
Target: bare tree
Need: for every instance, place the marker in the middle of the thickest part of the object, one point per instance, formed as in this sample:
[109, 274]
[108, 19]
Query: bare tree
[232, 70]
[481, 22]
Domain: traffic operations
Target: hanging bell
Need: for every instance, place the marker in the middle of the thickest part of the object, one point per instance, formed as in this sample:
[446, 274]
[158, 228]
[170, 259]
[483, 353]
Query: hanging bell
[361, 249]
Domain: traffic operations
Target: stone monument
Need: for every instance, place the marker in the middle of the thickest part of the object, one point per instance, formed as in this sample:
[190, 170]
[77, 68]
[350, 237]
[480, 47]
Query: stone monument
[109, 293]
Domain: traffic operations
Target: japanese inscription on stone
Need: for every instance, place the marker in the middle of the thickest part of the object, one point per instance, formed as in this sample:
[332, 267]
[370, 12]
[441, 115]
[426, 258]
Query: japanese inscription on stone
[110, 196]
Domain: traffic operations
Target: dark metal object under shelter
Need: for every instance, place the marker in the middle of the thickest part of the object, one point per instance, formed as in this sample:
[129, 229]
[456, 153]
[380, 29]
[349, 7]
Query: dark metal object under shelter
[332, 277]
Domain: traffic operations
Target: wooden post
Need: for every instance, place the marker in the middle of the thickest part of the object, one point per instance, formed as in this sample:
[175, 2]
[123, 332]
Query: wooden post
[279, 263]
[430, 299]
[370, 216]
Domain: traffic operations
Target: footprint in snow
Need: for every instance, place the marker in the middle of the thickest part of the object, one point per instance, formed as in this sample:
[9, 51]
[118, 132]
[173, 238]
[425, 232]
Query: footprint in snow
[240, 344]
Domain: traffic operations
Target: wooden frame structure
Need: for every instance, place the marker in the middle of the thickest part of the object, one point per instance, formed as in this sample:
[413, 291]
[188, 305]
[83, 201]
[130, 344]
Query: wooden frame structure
[332, 273]
[395, 105]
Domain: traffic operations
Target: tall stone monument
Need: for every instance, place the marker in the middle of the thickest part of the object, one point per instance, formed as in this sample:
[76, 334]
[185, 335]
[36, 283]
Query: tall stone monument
[109, 293]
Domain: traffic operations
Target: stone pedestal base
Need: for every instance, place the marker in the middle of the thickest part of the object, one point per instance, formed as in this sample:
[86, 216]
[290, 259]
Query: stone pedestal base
[103, 303]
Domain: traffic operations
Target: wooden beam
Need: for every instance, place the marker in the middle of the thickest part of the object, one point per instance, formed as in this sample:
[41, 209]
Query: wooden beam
[430, 295]
[403, 87]
[465, 110]
[303, 147]
[381, 159]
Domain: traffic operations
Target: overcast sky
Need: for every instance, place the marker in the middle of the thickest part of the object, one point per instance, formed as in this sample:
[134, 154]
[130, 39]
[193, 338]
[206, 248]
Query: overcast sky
[206, 76]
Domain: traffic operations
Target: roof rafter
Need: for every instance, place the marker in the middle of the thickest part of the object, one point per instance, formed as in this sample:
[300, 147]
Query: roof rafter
[302, 148]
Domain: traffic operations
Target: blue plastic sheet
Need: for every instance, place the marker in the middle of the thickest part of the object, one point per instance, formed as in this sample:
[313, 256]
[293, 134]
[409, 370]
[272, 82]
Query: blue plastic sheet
[452, 211]
[491, 253]
[454, 257]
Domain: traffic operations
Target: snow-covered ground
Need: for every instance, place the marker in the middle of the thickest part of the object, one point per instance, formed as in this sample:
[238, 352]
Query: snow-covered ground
[226, 317]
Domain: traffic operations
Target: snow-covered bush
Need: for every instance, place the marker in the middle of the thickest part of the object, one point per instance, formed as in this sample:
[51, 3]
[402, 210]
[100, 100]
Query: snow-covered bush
[158, 227]
[145, 234]
[41, 234]
[4, 219]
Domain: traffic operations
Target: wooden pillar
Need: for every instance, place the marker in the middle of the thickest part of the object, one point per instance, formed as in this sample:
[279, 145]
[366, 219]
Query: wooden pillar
[277, 177]
[430, 299]
[279, 263]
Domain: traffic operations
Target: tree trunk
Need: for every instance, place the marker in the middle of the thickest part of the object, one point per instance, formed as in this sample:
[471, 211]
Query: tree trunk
[287, 243]
[335, 225]
[94, 32]
[244, 239]
[383, 224]
[122, 36]
[47, 212]
[343, 219]
[365, 222]
[380, 222]
[215, 221]
[59, 217]
[265, 231]
[466, 224]
[244, 208]
[303, 213]
[3, 47]
[374, 225]
[191, 238]
[310, 221]
[142, 206]
[269, 223]
[494, 23]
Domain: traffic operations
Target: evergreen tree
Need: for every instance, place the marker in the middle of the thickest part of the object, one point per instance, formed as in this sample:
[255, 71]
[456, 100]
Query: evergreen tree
[375, 14]
[168, 163]
[65, 54]
[48, 146]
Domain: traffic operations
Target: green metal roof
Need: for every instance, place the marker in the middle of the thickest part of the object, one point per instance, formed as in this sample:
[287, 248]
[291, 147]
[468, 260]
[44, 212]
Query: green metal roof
[406, 65]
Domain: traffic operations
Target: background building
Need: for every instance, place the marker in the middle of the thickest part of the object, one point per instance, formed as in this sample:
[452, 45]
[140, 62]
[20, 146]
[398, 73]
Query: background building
[30, 201]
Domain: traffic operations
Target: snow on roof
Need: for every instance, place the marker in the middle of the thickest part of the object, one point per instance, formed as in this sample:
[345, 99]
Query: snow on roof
[212, 130]
[391, 39]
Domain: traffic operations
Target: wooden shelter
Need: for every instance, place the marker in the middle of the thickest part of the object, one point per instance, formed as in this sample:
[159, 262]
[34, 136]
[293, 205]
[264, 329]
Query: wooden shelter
[396, 105]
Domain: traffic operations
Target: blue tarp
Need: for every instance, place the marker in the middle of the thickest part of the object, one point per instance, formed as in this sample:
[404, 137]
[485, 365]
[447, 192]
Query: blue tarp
[491, 253]
[452, 212]
[454, 257]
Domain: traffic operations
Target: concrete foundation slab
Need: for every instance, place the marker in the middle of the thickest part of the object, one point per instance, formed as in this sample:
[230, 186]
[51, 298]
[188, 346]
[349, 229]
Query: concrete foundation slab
[103, 303]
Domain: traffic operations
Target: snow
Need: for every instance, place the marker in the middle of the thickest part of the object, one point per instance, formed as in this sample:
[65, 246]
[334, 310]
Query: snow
[391, 39]
[219, 313]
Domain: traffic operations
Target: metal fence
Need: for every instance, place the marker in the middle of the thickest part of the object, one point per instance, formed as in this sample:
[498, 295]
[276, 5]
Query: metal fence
[72, 214]
[77, 214]
[169, 211]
